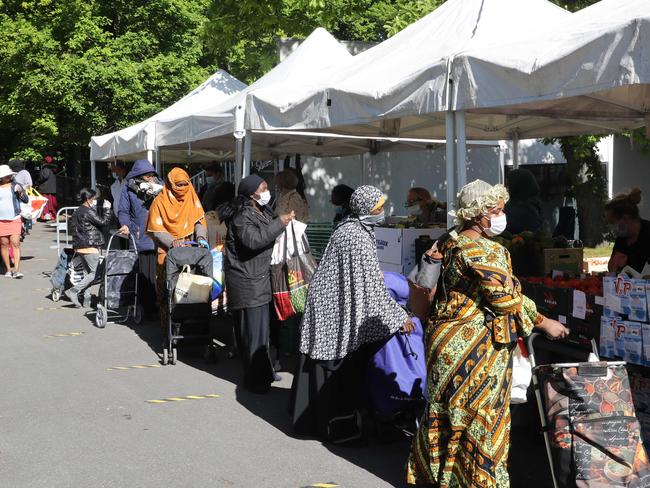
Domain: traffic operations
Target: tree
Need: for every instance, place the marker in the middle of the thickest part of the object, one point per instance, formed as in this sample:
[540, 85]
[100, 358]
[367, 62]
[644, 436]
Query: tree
[70, 69]
[242, 33]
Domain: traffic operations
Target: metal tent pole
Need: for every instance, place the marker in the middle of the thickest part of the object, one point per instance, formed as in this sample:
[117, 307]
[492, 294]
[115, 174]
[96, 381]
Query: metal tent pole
[159, 161]
[515, 150]
[461, 149]
[450, 158]
[93, 174]
[248, 149]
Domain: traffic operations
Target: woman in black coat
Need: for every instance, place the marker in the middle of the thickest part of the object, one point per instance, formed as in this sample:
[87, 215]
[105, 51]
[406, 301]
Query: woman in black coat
[89, 223]
[252, 230]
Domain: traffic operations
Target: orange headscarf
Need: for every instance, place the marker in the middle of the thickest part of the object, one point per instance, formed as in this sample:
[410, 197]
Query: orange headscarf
[176, 209]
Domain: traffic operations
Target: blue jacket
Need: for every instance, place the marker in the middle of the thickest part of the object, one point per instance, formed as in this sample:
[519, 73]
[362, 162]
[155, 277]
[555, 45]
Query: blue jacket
[132, 211]
[17, 199]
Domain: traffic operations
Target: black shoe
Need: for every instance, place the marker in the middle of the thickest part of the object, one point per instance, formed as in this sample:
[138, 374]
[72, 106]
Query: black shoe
[73, 295]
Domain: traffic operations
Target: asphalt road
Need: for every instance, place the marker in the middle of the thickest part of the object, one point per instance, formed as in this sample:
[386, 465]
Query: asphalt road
[68, 420]
[76, 412]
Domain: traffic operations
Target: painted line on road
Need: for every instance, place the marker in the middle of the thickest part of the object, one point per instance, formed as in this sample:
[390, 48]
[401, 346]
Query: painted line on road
[42, 289]
[183, 398]
[64, 334]
[138, 366]
[42, 309]
[321, 485]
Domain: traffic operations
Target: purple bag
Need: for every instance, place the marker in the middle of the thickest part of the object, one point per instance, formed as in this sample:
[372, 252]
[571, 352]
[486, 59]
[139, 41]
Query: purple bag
[397, 372]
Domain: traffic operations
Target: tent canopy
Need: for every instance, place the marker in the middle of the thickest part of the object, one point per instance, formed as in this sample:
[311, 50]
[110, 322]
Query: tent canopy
[213, 127]
[394, 88]
[133, 142]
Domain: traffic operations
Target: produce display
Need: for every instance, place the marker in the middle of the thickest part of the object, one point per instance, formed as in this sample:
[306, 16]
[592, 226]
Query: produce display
[527, 250]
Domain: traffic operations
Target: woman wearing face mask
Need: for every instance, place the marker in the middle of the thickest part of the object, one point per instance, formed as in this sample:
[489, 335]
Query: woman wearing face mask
[349, 315]
[419, 199]
[89, 222]
[290, 200]
[471, 333]
[137, 195]
[217, 190]
[175, 217]
[252, 230]
[632, 246]
[11, 194]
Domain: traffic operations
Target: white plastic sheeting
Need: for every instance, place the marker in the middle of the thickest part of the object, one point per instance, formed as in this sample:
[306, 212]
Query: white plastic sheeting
[133, 142]
[385, 90]
[213, 127]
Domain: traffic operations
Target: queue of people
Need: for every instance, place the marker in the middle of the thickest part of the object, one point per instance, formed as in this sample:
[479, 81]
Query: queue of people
[476, 315]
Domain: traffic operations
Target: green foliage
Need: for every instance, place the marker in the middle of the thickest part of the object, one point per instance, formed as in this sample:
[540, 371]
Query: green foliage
[71, 68]
[242, 34]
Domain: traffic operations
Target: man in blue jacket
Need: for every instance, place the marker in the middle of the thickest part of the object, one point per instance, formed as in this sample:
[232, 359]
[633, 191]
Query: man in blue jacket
[142, 186]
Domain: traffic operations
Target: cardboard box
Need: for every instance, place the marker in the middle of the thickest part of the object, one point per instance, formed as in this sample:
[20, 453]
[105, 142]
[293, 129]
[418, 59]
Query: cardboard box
[595, 265]
[397, 246]
[563, 260]
[554, 303]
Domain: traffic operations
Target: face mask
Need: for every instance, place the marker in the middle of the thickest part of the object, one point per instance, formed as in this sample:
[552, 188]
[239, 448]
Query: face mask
[339, 210]
[497, 226]
[265, 198]
[93, 204]
[209, 180]
[114, 175]
[417, 211]
[374, 220]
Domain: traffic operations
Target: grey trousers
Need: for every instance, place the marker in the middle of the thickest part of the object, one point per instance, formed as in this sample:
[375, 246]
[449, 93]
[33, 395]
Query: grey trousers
[90, 263]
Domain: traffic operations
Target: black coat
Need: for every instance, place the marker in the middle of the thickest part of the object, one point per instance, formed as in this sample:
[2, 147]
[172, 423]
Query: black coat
[47, 180]
[88, 226]
[249, 245]
[216, 195]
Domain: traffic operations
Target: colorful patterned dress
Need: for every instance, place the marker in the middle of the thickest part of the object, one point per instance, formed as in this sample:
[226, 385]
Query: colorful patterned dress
[464, 436]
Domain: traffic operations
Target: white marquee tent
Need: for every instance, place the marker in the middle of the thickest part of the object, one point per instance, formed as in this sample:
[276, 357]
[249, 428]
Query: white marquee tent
[139, 140]
[502, 69]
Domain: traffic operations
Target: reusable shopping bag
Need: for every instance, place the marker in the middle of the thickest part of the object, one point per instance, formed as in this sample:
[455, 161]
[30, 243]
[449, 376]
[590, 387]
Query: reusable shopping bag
[192, 288]
[36, 202]
[290, 278]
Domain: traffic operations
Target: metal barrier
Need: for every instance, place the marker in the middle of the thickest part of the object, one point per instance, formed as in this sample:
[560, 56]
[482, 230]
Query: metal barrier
[318, 235]
[60, 225]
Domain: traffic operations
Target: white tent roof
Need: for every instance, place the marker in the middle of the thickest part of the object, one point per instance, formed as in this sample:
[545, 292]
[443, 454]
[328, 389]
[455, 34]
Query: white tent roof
[133, 142]
[213, 127]
[592, 75]
[402, 77]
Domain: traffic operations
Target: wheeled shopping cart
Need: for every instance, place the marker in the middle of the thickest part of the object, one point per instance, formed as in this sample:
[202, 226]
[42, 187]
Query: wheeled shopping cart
[592, 435]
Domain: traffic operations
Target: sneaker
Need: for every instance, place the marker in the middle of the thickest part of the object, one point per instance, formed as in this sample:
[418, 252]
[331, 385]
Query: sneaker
[18, 275]
[9, 274]
[73, 296]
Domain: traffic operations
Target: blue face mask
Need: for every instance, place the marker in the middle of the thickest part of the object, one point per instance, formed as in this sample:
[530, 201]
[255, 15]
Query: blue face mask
[338, 209]
[374, 220]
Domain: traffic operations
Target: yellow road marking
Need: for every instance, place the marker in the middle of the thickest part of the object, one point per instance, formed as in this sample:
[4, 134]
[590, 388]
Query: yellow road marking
[64, 334]
[138, 366]
[184, 398]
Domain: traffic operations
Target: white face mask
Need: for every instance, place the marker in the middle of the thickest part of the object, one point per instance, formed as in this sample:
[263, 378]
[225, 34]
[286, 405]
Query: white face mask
[497, 226]
[265, 198]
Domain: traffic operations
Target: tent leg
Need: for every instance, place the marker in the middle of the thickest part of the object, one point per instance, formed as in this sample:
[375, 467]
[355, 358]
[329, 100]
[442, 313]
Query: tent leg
[461, 151]
[150, 156]
[248, 149]
[449, 164]
[93, 174]
[502, 164]
[159, 161]
[515, 151]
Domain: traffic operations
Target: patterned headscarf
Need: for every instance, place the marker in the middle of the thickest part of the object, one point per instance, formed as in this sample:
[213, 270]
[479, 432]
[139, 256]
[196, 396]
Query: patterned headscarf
[365, 199]
[476, 199]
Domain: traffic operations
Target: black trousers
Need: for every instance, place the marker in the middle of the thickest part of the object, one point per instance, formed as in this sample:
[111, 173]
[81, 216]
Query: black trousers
[147, 281]
[252, 328]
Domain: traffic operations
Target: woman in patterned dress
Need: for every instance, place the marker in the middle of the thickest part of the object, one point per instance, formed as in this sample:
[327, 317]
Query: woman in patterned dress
[478, 315]
[349, 315]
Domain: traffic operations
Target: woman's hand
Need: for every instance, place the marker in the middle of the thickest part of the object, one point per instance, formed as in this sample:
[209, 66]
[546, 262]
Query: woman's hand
[19, 189]
[408, 326]
[288, 218]
[124, 230]
[178, 243]
[553, 329]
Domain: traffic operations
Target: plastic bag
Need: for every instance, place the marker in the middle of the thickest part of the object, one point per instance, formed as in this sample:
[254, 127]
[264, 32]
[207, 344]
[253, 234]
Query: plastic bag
[522, 373]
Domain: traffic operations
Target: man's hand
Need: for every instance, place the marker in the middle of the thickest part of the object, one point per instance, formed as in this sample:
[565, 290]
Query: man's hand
[124, 230]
